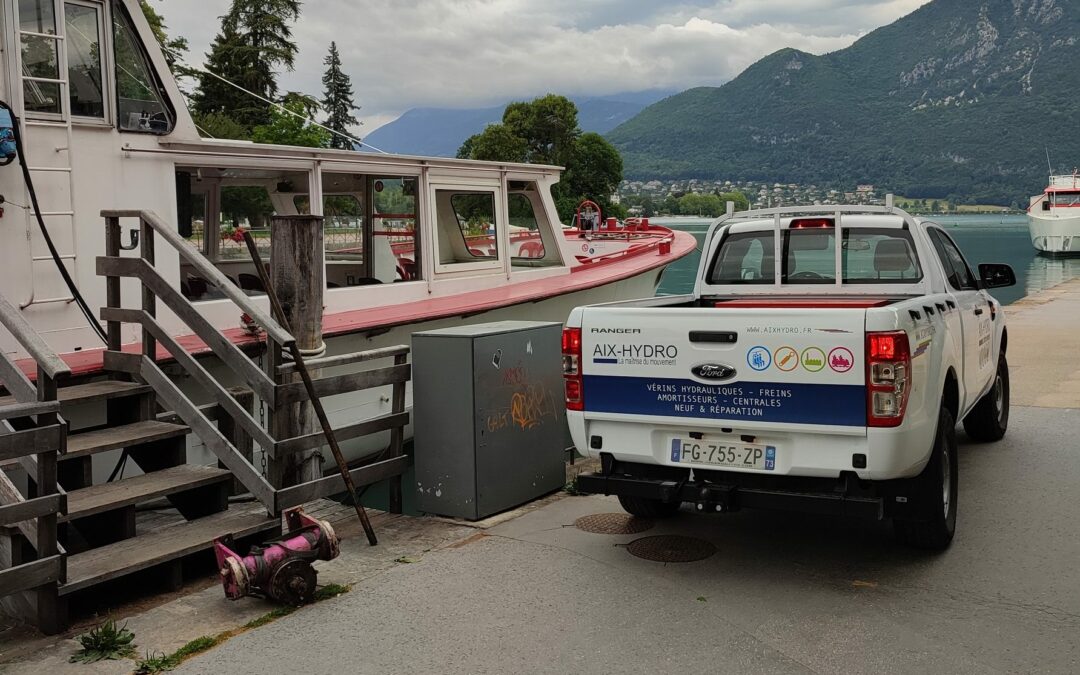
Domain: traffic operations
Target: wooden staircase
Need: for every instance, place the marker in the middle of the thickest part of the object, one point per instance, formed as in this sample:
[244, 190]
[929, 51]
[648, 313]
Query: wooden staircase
[101, 531]
[106, 451]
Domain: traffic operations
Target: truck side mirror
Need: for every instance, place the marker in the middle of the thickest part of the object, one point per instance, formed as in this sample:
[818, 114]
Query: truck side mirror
[997, 275]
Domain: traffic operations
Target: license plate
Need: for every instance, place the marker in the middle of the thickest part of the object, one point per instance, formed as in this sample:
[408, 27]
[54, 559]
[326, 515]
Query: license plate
[733, 454]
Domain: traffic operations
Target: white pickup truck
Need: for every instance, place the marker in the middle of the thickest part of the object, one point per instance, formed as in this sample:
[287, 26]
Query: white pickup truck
[820, 365]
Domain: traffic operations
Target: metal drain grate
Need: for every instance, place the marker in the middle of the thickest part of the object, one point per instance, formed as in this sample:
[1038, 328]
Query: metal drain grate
[613, 523]
[671, 548]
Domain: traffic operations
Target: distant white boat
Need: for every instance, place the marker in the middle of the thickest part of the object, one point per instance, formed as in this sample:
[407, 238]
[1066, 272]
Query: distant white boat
[1054, 216]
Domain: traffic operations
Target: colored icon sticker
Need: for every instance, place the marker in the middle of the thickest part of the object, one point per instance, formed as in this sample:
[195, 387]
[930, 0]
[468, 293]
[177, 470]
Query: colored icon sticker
[841, 359]
[787, 359]
[813, 359]
[759, 358]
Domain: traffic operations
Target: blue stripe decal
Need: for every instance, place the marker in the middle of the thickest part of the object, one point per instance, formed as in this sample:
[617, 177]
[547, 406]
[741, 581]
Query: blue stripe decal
[605, 360]
[792, 403]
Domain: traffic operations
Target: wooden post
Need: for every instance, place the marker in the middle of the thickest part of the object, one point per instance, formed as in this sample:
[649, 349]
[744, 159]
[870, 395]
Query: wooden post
[149, 302]
[240, 439]
[298, 273]
[397, 439]
[50, 608]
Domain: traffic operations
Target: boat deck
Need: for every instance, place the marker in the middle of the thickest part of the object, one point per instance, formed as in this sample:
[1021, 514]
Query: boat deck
[583, 277]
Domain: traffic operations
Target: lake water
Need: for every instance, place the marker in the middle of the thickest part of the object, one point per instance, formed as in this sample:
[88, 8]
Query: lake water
[983, 238]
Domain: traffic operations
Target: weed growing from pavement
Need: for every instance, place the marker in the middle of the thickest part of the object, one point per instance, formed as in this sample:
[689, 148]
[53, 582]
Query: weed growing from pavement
[107, 642]
[571, 487]
[159, 662]
[153, 663]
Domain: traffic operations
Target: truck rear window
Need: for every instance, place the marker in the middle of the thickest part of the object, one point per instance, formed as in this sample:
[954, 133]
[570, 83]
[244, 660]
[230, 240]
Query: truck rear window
[868, 256]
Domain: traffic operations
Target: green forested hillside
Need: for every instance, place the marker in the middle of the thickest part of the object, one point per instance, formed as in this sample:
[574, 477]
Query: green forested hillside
[957, 99]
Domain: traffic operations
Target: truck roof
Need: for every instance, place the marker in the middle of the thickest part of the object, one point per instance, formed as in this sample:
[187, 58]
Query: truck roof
[738, 224]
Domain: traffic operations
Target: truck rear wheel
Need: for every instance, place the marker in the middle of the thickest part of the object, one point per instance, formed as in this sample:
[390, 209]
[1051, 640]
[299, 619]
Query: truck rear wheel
[649, 508]
[989, 419]
[937, 487]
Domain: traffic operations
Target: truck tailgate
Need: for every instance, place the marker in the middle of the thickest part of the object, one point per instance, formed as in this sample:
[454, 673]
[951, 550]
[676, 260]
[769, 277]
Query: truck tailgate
[740, 367]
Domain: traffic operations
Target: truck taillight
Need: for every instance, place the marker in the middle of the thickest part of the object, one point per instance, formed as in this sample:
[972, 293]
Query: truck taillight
[888, 378]
[571, 351]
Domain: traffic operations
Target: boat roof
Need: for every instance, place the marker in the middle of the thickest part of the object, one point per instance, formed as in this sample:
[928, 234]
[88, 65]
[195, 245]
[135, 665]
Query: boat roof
[224, 148]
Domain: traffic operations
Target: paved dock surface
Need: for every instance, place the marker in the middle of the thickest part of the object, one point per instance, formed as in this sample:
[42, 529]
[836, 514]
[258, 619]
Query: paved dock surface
[530, 593]
[783, 593]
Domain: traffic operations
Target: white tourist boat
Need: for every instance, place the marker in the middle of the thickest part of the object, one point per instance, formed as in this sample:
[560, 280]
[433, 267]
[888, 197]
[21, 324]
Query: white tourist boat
[411, 243]
[1054, 216]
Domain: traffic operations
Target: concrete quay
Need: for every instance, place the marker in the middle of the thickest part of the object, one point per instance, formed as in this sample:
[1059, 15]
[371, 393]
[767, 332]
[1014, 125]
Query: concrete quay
[528, 592]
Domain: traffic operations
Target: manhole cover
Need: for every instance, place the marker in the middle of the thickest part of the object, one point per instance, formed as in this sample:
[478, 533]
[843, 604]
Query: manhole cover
[670, 548]
[613, 523]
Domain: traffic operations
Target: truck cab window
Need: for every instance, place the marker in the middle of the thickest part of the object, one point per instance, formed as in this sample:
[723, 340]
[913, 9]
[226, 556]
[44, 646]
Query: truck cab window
[956, 268]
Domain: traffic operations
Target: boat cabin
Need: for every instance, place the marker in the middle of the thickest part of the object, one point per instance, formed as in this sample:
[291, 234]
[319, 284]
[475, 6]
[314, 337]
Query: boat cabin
[105, 126]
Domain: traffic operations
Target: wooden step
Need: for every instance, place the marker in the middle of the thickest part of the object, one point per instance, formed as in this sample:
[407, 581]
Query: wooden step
[90, 392]
[124, 436]
[129, 491]
[131, 555]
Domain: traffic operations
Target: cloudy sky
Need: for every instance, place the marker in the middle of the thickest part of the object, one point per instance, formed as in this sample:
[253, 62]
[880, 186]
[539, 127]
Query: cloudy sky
[469, 53]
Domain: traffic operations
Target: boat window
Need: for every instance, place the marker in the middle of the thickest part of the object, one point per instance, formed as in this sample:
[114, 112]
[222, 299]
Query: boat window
[526, 242]
[40, 50]
[218, 206]
[1066, 198]
[141, 102]
[395, 241]
[83, 29]
[475, 213]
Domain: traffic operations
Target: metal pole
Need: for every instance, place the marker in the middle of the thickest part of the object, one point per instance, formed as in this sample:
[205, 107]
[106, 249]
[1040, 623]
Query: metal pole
[316, 403]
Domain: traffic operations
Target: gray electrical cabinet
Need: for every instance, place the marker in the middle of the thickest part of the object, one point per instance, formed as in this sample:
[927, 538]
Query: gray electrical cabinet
[489, 420]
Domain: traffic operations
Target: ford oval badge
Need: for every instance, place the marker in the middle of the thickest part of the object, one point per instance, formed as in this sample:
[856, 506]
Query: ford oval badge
[713, 371]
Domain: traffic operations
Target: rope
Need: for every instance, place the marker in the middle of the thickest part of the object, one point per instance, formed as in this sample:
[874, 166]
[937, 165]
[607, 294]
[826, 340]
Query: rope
[274, 103]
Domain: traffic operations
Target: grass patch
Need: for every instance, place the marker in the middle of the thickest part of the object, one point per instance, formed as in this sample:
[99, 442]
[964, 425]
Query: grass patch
[159, 662]
[107, 642]
[269, 617]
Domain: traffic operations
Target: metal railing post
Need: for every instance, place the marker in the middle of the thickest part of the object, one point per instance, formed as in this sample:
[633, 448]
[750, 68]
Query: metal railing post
[112, 283]
[149, 300]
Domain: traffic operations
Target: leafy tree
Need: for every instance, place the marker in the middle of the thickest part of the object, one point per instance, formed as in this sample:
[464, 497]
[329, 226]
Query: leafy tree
[220, 125]
[549, 126]
[593, 171]
[175, 49]
[648, 209]
[255, 38]
[291, 128]
[546, 131]
[338, 100]
[496, 143]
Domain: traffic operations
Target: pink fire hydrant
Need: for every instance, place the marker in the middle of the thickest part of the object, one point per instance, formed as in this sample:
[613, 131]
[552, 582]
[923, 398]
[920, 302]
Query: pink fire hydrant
[279, 570]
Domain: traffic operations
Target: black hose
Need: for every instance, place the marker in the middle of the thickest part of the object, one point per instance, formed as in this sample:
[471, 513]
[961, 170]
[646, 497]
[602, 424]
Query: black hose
[79, 299]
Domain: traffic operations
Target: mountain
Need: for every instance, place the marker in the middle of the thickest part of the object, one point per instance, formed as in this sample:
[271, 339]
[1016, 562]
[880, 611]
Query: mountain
[439, 132]
[958, 98]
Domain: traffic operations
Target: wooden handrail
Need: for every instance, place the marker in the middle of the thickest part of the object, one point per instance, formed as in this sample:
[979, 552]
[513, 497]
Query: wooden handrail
[28, 339]
[208, 271]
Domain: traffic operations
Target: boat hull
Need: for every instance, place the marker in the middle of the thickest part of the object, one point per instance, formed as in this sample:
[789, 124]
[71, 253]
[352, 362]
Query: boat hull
[1055, 233]
[361, 405]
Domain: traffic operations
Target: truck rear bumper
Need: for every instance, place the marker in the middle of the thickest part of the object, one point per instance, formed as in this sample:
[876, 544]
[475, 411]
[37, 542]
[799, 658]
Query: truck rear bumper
[711, 497]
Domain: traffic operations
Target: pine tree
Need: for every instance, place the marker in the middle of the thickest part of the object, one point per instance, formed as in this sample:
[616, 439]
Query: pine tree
[255, 38]
[338, 100]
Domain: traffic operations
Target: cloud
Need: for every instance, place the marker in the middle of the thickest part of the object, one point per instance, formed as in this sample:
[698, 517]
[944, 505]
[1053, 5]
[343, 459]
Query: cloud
[465, 53]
